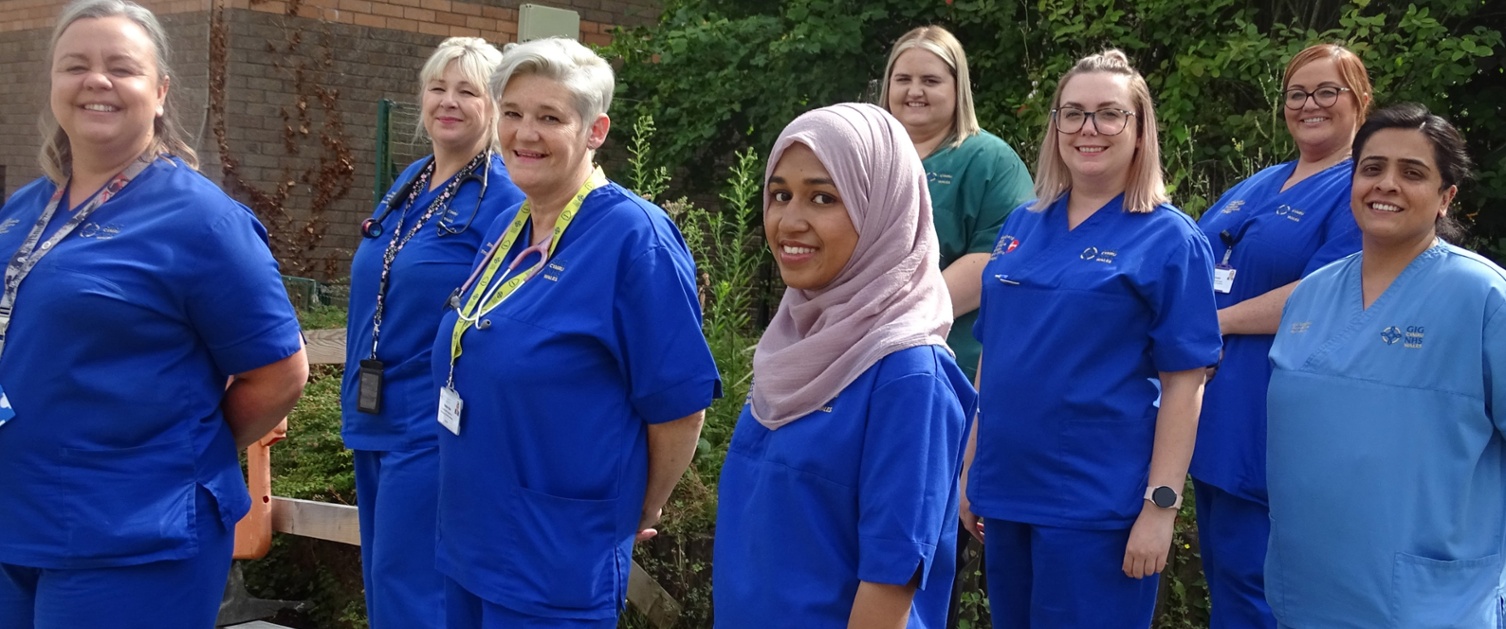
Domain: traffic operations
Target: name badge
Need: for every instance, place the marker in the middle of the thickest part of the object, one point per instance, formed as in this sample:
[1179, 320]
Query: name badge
[1223, 278]
[6, 412]
[449, 409]
[369, 387]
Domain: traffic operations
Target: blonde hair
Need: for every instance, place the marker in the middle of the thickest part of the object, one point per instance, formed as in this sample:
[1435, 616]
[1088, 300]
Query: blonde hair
[585, 74]
[476, 60]
[1146, 188]
[56, 156]
[940, 42]
[1351, 70]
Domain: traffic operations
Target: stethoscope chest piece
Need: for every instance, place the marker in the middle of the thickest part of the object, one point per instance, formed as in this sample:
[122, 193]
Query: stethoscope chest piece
[370, 228]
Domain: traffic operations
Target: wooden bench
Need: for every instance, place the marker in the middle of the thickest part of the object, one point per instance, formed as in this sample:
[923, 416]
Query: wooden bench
[339, 523]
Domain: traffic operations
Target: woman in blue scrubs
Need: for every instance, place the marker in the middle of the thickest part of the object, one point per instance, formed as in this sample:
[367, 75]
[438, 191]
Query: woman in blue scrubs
[1267, 233]
[135, 291]
[1097, 322]
[847, 453]
[417, 247]
[573, 373]
[1388, 407]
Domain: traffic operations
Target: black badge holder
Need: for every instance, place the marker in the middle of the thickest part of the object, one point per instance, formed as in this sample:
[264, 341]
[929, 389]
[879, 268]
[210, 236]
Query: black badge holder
[369, 387]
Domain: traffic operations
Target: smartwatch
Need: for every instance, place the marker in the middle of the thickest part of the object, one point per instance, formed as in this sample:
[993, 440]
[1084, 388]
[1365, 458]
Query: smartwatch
[1164, 497]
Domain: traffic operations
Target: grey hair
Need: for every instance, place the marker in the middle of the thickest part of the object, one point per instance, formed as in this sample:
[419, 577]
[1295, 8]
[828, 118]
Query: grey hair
[585, 74]
[56, 157]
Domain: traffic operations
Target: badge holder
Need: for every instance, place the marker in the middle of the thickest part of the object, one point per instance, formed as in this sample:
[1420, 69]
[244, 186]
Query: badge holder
[1223, 278]
[450, 405]
[6, 412]
[369, 387]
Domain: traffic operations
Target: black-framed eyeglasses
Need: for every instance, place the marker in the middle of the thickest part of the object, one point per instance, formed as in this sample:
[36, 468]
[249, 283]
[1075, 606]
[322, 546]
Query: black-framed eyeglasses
[1106, 121]
[1326, 96]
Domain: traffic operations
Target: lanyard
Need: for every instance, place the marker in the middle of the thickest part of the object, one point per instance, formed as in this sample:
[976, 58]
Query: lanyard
[30, 252]
[400, 239]
[488, 296]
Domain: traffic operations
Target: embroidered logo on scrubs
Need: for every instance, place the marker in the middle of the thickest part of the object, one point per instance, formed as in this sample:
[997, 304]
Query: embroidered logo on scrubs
[6, 226]
[1391, 335]
[553, 269]
[1007, 243]
[1291, 213]
[939, 178]
[1300, 327]
[1234, 206]
[1093, 254]
[97, 231]
[1412, 338]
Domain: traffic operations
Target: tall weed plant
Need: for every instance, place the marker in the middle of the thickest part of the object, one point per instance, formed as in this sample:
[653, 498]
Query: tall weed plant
[728, 247]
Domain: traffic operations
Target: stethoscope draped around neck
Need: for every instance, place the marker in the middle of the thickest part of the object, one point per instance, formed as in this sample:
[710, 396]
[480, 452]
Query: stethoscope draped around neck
[372, 227]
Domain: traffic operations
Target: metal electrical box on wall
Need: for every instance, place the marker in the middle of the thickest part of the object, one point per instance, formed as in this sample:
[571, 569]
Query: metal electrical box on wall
[536, 21]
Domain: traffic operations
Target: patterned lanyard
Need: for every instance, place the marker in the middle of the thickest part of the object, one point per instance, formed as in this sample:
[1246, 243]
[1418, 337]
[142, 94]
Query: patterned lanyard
[30, 252]
[400, 239]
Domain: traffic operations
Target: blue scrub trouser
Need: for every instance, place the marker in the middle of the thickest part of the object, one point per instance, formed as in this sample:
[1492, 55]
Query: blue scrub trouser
[172, 594]
[1233, 533]
[1042, 577]
[397, 496]
[464, 610]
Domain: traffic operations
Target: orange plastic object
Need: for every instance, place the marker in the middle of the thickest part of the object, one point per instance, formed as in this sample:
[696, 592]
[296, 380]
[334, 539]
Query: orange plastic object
[253, 534]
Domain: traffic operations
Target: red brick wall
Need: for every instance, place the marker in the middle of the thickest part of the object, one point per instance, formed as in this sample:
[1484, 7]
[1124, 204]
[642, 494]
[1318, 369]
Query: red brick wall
[360, 50]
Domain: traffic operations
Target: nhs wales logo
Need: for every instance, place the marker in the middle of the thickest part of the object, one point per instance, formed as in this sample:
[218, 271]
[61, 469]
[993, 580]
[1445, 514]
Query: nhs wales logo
[1410, 337]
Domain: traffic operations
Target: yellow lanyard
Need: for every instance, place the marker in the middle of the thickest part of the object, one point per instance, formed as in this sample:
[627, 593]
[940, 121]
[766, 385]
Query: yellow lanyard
[486, 297]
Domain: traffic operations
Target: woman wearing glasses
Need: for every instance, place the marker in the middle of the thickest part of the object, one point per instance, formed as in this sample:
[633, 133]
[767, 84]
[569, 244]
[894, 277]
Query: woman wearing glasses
[1097, 323]
[1268, 233]
[975, 178]
[573, 372]
[416, 249]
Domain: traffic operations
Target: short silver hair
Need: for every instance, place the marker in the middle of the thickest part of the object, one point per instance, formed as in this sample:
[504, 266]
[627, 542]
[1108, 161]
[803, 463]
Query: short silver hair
[585, 74]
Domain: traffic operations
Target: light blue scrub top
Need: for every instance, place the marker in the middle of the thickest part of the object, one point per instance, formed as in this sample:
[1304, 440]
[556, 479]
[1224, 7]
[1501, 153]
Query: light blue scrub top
[1076, 326]
[1387, 462]
[119, 348]
[431, 265]
[1282, 237]
[541, 493]
[864, 489]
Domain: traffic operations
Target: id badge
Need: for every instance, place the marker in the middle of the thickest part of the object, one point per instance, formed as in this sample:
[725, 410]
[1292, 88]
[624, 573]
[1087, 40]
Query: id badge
[449, 409]
[6, 412]
[369, 387]
[1223, 278]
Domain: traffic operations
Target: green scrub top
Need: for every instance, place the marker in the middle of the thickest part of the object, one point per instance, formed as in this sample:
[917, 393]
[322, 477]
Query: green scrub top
[973, 187]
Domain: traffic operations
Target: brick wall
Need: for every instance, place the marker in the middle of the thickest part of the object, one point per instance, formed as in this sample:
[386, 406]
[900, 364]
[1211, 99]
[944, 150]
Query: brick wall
[360, 50]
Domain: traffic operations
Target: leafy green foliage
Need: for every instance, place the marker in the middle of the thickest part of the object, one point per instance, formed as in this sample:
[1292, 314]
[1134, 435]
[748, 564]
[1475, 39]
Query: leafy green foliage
[720, 75]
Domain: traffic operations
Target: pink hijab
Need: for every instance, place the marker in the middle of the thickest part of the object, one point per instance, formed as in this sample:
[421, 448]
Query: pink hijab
[889, 297]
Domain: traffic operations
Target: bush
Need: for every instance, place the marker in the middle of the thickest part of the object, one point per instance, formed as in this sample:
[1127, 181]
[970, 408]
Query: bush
[719, 75]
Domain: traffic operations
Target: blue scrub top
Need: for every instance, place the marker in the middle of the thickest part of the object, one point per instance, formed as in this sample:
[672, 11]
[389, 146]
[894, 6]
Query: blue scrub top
[1387, 461]
[541, 493]
[1286, 236]
[864, 489]
[116, 361]
[431, 265]
[1076, 326]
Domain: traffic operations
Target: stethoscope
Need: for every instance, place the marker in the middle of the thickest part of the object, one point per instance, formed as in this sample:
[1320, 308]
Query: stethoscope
[372, 227]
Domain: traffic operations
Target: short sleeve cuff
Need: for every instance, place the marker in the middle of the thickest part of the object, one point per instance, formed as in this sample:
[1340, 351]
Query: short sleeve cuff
[1194, 356]
[893, 562]
[260, 350]
[678, 401]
